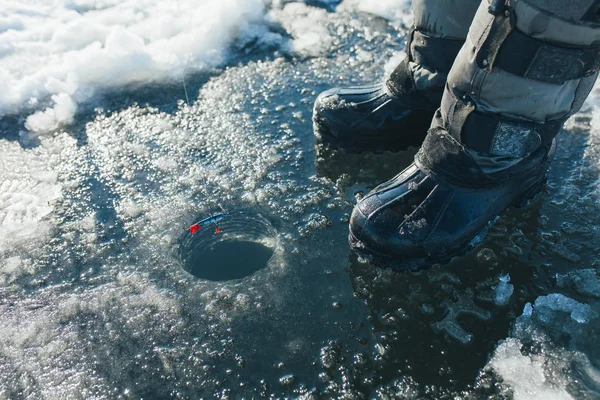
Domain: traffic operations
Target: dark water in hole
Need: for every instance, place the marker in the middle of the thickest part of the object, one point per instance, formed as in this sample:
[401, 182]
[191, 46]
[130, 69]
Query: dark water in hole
[228, 260]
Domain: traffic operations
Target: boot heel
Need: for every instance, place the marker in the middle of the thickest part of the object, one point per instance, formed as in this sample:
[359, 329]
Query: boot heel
[528, 195]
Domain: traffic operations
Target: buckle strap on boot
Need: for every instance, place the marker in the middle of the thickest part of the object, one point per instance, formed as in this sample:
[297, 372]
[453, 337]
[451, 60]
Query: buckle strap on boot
[542, 61]
[504, 46]
[443, 157]
[492, 134]
[402, 86]
[503, 137]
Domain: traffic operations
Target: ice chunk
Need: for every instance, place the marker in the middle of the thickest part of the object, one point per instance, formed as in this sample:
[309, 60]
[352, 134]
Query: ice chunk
[503, 291]
[464, 306]
[50, 119]
[544, 305]
[527, 310]
[585, 281]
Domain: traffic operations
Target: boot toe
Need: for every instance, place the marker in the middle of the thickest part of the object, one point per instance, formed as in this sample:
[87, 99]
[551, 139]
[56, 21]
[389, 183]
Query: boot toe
[390, 220]
[347, 108]
[328, 113]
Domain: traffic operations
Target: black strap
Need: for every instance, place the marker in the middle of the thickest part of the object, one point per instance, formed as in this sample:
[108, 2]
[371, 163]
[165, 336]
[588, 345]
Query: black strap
[503, 137]
[535, 59]
[444, 157]
[491, 133]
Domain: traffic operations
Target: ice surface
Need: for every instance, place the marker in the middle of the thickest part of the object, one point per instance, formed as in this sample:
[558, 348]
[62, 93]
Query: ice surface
[40, 330]
[94, 301]
[29, 188]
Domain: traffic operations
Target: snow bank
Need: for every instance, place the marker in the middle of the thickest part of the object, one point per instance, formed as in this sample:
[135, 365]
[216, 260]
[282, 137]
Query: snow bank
[54, 55]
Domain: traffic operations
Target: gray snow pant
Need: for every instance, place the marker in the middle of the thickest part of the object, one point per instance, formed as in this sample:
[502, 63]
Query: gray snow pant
[430, 57]
[525, 67]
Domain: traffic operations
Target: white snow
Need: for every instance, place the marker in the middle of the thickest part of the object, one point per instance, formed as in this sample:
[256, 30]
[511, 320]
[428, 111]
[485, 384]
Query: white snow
[525, 374]
[59, 53]
[393, 62]
[56, 55]
[51, 118]
[307, 26]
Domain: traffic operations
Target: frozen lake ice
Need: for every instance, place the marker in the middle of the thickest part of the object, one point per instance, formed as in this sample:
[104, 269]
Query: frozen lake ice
[104, 165]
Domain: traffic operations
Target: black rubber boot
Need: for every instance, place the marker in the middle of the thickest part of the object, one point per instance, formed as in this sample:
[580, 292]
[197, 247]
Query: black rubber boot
[388, 116]
[507, 95]
[395, 114]
[440, 206]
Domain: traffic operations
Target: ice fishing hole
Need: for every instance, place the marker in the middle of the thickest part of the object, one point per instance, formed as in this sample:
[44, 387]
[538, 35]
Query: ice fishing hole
[245, 244]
